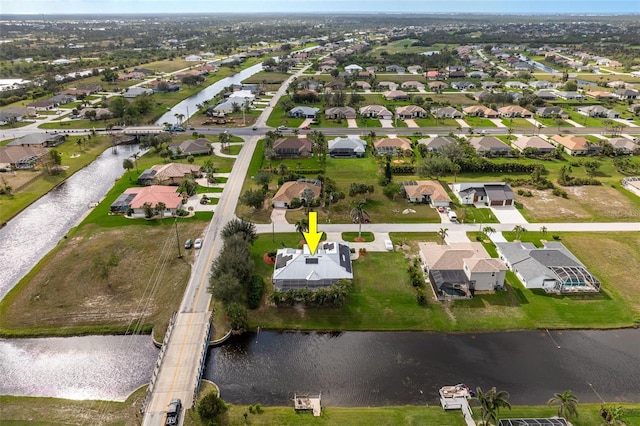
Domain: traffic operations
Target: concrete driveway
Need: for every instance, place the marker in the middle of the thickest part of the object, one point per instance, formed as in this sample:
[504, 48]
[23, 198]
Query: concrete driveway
[508, 214]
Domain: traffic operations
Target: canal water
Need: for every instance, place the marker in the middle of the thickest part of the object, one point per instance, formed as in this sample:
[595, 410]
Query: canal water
[381, 368]
[30, 235]
[92, 367]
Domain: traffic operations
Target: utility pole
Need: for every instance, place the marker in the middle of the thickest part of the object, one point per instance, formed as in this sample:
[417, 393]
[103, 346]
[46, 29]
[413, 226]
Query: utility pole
[178, 239]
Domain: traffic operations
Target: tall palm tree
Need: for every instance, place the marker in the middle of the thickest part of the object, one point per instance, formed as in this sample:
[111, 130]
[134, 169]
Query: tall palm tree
[135, 160]
[567, 404]
[488, 230]
[490, 404]
[443, 234]
[519, 230]
[127, 164]
[302, 226]
[359, 215]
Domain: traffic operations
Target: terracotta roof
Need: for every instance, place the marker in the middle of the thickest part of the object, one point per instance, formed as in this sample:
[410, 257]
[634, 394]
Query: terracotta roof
[403, 143]
[292, 189]
[572, 142]
[427, 187]
[155, 194]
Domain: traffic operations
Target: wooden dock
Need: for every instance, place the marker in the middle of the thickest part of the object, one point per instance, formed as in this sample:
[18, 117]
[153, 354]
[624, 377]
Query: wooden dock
[308, 402]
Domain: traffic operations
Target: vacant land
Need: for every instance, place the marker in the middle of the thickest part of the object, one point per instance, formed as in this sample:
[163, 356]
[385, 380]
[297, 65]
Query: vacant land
[103, 280]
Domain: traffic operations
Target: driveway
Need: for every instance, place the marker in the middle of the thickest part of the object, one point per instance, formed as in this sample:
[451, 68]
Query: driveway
[386, 123]
[508, 214]
[351, 123]
[411, 123]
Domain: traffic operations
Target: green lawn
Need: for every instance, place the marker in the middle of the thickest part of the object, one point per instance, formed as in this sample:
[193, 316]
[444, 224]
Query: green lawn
[516, 122]
[432, 122]
[478, 122]
[553, 122]
[351, 236]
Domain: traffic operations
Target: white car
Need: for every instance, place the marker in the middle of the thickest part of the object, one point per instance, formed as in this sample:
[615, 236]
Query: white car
[198, 243]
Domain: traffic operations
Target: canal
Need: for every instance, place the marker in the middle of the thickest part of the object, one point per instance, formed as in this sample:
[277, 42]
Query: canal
[398, 368]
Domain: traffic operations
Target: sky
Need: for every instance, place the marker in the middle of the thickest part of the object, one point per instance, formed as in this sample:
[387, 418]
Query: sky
[98, 7]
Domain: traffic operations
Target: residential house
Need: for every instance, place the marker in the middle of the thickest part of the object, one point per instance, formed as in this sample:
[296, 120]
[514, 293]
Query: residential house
[363, 85]
[20, 157]
[624, 145]
[457, 72]
[551, 112]
[410, 112]
[390, 85]
[43, 140]
[297, 269]
[132, 92]
[228, 106]
[570, 95]
[513, 111]
[540, 84]
[478, 74]
[304, 112]
[600, 94]
[163, 86]
[437, 85]
[598, 111]
[101, 113]
[574, 145]
[136, 199]
[426, 191]
[489, 85]
[533, 142]
[458, 270]
[521, 66]
[434, 75]
[293, 147]
[392, 145]
[414, 69]
[8, 117]
[412, 85]
[489, 145]
[349, 146]
[463, 85]
[193, 58]
[395, 95]
[626, 94]
[489, 193]
[395, 69]
[353, 69]
[200, 146]
[480, 111]
[376, 111]
[62, 99]
[44, 105]
[447, 112]
[340, 113]
[126, 76]
[168, 174]
[547, 95]
[437, 143]
[294, 189]
[516, 85]
[552, 267]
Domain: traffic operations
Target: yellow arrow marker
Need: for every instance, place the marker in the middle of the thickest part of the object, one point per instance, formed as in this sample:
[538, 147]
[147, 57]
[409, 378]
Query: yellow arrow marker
[313, 236]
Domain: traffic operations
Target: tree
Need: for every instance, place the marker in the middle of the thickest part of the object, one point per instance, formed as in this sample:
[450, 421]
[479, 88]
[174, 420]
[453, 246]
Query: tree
[490, 404]
[443, 234]
[435, 167]
[188, 186]
[160, 209]
[543, 230]
[235, 259]
[148, 210]
[253, 198]
[237, 316]
[245, 229]
[263, 179]
[224, 138]
[226, 287]
[128, 165]
[359, 215]
[307, 198]
[488, 230]
[612, 414]
[519, 230]
[135, 157]
[302, 226]
[211, 407]
[567, 404]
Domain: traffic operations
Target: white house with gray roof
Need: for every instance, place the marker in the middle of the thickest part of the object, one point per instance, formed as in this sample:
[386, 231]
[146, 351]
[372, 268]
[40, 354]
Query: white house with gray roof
[347, 147]
[296, 269]
[304, 112]
[490, 193]
[552, 268]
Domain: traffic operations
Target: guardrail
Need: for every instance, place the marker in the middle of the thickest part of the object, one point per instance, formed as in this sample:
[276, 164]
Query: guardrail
[156, 370]
[203, 358]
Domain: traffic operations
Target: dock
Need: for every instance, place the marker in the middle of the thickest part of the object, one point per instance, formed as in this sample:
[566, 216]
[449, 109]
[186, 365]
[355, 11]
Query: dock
[457, 398]
[308, 402]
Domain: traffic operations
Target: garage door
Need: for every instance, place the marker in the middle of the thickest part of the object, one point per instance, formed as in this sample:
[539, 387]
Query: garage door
[509, 202]
[496, 203]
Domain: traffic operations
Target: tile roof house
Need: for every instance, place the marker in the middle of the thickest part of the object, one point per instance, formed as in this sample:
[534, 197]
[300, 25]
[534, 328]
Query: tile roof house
[437, 85]
[489, 193]
[512, 111]
[548, 95]
[412, 84]
[347, 147]
[598, 111]
[396, 95]
[395, 68]
[410, 111]
[294, 189]
[168, 174]
[627, 94]
[624, 145]
[457, 270]
[39, 140]
[135, 199]
[391, 145]
[296, 269]
[293, 147]
[426, 191]
[486, 145]
[364, 85]
[436, 144]
[550, 112]
[20, 157]
[353, 69]
[480, 111]
[463, 85]
[433, 75]
[552, 268]
[534, 142]
[133, 92]
[574, 145]
[447, 112]
[188, 147]
[340, 113]
[376, 111]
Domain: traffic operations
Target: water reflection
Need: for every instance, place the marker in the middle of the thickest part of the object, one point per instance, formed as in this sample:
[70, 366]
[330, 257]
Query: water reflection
[91, 367]
[376, 369]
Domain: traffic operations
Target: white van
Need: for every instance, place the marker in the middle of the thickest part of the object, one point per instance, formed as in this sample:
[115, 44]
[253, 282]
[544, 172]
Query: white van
[452, 216]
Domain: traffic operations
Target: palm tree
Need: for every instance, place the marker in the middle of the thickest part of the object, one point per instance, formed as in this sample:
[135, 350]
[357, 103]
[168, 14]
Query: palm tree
[160, 208]
[490, 404]
[519, 230]
[488, 230]
[135, 160]
[443, 234]
[359, 215]
[567, 404]
[543, 229]
[224, 137]
[612, 414]
[127, 164]
[302, 226]
[283, 169]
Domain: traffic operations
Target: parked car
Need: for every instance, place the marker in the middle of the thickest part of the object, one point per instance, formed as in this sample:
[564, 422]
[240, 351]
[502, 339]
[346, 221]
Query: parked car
[283, 128]
[255, 127]
[173, 412]
[306, 128]
[188, 244]
[441, 209]
[198, 243]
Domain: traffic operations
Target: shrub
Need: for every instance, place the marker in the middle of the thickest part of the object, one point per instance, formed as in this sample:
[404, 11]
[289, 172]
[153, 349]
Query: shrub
[560, 193]
[421, 298]
[556, 237]
[211, 407]
[256, 287]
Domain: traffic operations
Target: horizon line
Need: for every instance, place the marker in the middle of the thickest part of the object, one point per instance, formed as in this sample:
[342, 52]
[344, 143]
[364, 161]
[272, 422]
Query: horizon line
[634, 13]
